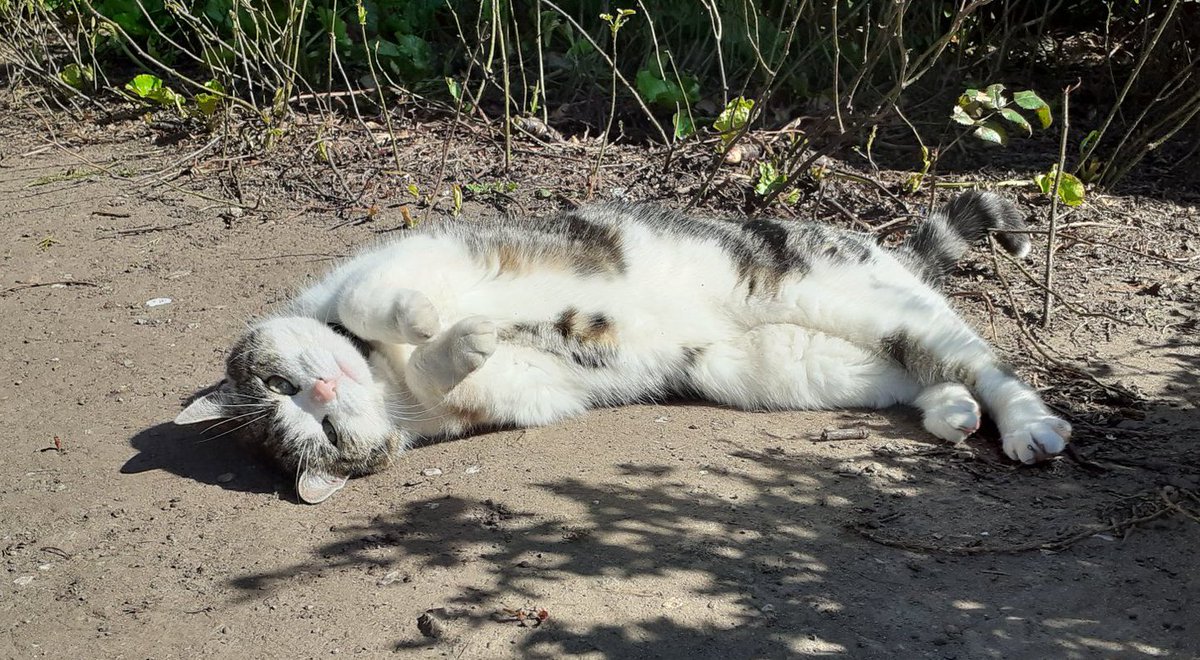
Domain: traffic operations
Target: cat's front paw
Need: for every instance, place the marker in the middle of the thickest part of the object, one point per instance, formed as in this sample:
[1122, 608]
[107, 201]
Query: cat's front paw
[471, 342]
[415, 318]
[950, 412]
[1036, 439]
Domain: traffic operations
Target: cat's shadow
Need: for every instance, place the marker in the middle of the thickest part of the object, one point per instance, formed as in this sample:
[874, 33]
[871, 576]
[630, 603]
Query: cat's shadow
[208, 458]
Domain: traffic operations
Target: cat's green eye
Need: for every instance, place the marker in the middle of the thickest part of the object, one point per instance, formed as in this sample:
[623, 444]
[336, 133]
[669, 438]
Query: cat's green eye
[281, 385]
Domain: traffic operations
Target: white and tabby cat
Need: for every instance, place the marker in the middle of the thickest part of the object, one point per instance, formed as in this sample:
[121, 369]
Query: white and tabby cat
[469, 324]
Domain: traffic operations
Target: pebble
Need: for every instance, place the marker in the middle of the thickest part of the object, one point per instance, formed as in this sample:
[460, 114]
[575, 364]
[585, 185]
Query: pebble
[430, 626]
[472, 469]
[431, 472]
[226, 477]
[158, 302]
[392, 577]
[23, 580]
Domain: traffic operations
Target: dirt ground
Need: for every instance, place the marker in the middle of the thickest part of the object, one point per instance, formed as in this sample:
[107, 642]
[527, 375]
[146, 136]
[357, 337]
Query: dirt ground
[674, 531]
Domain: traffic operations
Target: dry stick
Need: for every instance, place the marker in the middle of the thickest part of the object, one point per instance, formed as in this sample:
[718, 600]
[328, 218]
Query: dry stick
[757, 110]
[458, 105]
[35, 285]
[1137, 69]
[502, 30]
[1037, 346]
[1049, 292]
[636, 96]
[1048, 280]
[541, 65]
[594, 177]
[878, 186]
[834, 435]
[1106, 244]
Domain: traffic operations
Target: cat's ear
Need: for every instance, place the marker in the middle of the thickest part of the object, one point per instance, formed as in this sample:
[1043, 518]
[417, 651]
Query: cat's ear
[315, 487]
[214, 405]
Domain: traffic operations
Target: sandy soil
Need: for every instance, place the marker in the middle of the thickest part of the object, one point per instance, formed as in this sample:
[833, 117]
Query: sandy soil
[651, 531]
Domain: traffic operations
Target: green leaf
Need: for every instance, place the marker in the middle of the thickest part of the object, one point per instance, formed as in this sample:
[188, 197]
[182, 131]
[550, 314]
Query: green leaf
[75, 75]
[454, 88]
[1031, 101]
[995, 94]
[1028, 99]
[1088, 142]
[733, 117]
[651, 87]
[959, 115]
[209, 102]
[1071, 190]
[1015, 117]
[990, 131]
[683, 125]
[1043, 114]
[769, 179]
[1044, 181]
[144, 85]
[666, 93]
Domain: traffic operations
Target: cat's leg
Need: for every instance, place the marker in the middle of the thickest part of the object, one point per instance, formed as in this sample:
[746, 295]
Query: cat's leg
[466, 378]
[376, 311]
[882, 305]
[394, 294]
[783, 366]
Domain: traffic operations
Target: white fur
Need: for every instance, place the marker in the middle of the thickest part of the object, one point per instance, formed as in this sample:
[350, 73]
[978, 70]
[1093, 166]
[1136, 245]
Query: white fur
[308, 351]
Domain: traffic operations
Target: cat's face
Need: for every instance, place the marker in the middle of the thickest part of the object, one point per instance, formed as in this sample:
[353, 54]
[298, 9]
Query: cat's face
[307, 393]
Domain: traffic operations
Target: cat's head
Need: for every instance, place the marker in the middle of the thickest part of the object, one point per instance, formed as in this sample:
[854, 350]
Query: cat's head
[305, 390]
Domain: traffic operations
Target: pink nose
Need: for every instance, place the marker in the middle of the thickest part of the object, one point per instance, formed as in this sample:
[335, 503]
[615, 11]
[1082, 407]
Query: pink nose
[325, 391]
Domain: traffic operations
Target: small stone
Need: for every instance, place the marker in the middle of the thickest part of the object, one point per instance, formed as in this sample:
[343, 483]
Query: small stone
[23, 580]
[430, 626]
[226, 477]
[158, 302]
[472, 469]
[390, 578]
[431, 472]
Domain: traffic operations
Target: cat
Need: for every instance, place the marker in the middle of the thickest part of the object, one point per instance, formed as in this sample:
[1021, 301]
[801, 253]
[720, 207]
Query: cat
[468, 324]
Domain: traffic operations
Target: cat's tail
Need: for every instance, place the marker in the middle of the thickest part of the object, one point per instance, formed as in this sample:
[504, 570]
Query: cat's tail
[939, 242]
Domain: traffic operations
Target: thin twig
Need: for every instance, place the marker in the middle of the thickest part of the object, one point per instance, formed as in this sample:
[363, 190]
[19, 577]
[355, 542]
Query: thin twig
[1048, 279]
[34, 285]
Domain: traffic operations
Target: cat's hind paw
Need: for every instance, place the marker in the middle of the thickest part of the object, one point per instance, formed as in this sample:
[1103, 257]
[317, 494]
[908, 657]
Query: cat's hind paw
[1036, 439]
[471, 342]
